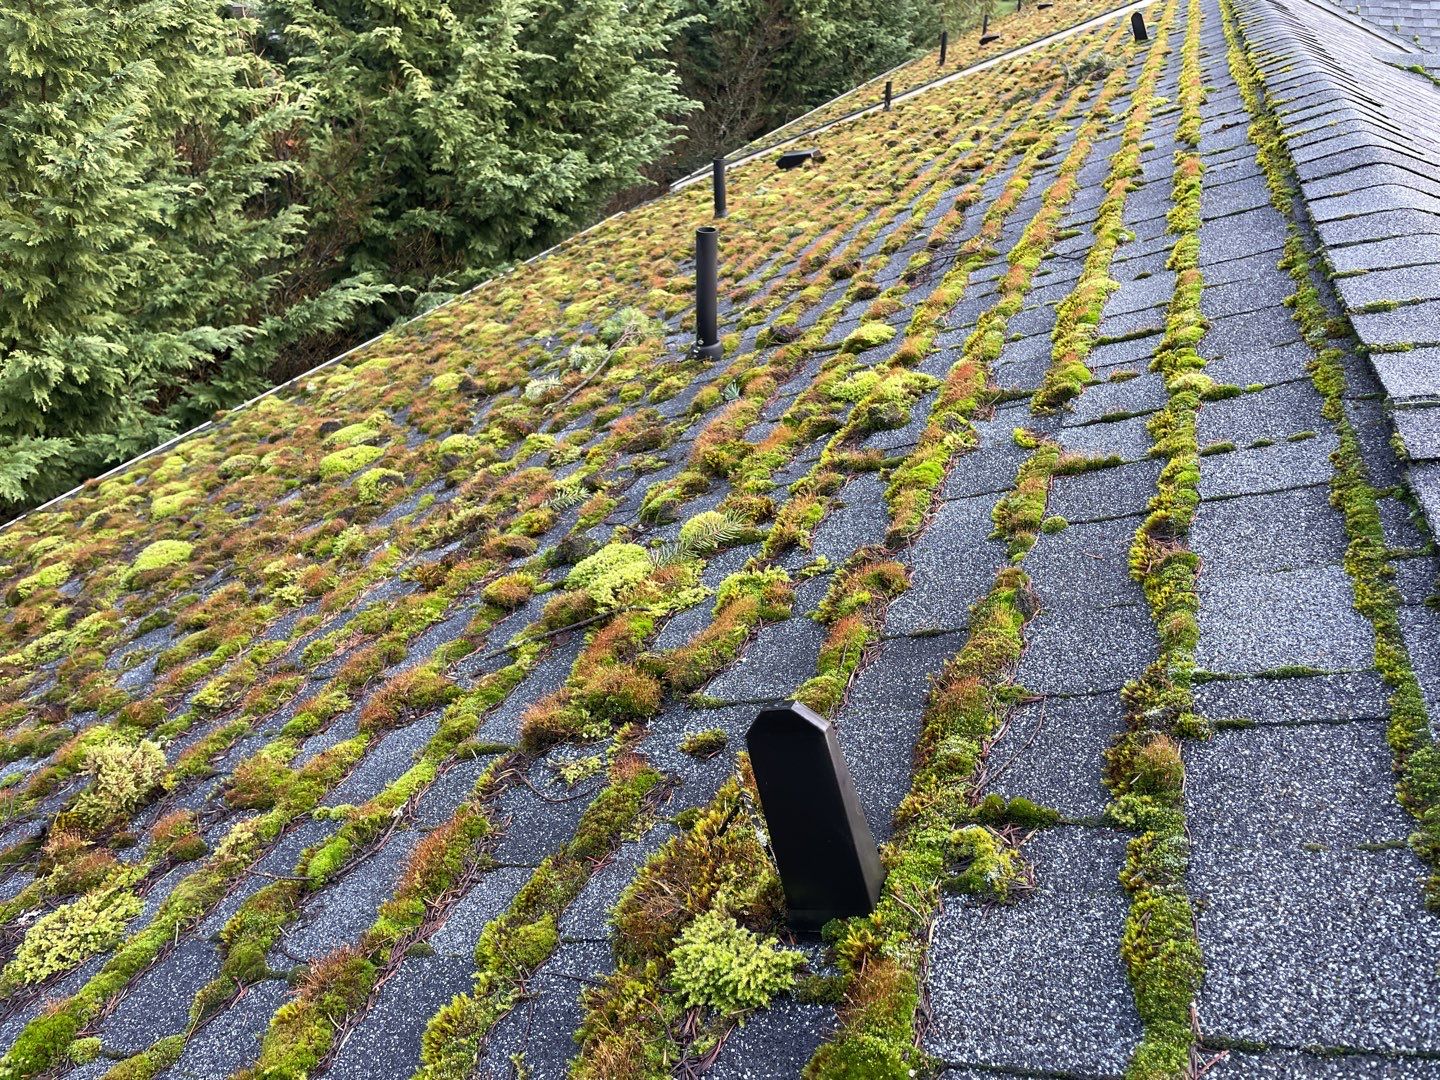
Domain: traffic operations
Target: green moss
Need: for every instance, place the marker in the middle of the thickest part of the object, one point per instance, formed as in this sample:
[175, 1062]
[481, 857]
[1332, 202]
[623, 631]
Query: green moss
[446, 382]
[511, 591]
[372, 484]
[606, 575]
[995, 809]
[122, 776]
[868, 335]
[519, 940]
[160, 555]
[84, 1051]
[68, 936]
[238, 465]
[169, 505]
[704, 744]
[47, 577]
[352, 434]
[461, 446]
[719, 965]
[988, 865]
[344, 462]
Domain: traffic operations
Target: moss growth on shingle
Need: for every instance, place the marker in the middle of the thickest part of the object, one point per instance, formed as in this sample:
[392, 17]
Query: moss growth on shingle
[371, 485]
[607, 574]
[161, 555]
[869, 335]
[342, 463]
[47, 577]
[68, 936]
[537, 398]
[352, 434]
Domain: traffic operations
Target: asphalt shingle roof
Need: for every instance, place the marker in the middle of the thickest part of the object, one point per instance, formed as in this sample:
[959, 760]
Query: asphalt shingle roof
[349, 614]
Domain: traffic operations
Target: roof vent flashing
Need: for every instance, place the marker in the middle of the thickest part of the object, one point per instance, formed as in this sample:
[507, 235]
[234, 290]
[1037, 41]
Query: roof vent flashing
[793, 159]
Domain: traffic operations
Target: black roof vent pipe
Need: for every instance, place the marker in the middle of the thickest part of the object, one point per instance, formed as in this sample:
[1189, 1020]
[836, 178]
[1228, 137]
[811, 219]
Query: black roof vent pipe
[1137, 26]
[985, 36]
[944, 45]
[718, 184]
[707, 281]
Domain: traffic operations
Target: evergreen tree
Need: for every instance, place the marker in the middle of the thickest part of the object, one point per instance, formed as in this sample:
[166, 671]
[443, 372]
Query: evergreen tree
[755, 64]
[143, 251]
[450, 137]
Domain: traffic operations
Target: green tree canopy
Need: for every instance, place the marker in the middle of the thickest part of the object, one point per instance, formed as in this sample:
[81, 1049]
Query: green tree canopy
[755, 64]
[449, 137]
[142, 245]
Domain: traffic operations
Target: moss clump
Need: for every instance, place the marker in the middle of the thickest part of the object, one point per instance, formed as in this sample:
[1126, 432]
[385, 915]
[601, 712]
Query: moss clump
[868, 335]
[122, 776]
[988, 865]
[704, 744]
[461, 446]
[446, 382]
[609, 572]
[68, 936]
[718, 964]
[352, 434]
[995, 809]
[372, 484]
[566, 609]
[84, 1051]
[47, 577]
[618, 694]
[344, 462]
[160, 555]
[238, 465]
[510, 591]
[169, 505]
[632, 1025]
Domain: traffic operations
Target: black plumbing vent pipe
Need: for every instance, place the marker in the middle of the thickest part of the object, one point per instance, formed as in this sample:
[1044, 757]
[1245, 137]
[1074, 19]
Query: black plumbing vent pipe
[718, 184]
[985, 36]
[1137, 26]
[944, 45]
[889, 88]
[707, 274]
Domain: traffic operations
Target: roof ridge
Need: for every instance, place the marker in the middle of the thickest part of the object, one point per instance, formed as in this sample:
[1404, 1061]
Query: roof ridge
[1363, 137]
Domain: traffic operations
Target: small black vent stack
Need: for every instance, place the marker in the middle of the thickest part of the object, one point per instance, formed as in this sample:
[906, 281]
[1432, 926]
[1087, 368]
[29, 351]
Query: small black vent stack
[707, 275]
[1137, 26]
[889, 88]
[823, 846]
[985, 36]
[944, 45]
[718, 184]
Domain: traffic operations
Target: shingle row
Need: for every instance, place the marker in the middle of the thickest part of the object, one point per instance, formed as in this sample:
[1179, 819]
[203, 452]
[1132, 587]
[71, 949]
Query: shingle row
[1364, 134]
